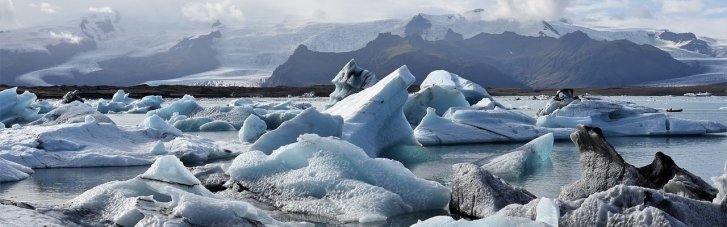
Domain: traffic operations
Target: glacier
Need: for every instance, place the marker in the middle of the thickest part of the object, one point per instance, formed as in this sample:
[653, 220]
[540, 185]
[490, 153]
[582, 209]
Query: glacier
[373, 119]
[332, 178]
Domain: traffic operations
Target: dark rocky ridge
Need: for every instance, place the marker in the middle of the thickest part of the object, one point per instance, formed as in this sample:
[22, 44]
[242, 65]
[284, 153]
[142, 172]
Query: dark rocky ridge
[496, 60]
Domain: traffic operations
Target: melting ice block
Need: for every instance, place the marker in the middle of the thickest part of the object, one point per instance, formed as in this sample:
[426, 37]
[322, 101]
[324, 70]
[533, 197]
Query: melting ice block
[333, 178]
[252, 129]
[16, 108]
[310, 121]
[11, 171]
[71, 113]
[155, 122]
[462, 126]
[350, 80]
[373, 118]
[522, 160]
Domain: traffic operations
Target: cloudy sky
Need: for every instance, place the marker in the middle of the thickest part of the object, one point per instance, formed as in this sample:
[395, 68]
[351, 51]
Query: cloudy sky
[704, 17]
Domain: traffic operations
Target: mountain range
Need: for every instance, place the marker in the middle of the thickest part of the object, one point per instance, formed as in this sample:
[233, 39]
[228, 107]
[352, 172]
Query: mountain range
[106, 48]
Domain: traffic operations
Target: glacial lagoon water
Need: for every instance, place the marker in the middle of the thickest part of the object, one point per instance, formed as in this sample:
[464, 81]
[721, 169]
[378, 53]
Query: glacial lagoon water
[703, 155]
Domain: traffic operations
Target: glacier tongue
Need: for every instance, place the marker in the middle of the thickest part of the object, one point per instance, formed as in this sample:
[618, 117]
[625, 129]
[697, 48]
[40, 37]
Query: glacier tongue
[373, 118]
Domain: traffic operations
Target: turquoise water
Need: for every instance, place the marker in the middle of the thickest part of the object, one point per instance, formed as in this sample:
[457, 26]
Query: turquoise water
[703, 155]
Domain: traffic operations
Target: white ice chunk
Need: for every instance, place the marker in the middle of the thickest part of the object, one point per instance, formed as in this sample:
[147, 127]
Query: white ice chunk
[196, 115]
[252, 129]
[721, 183]
[472, 92]
[156, 122]
[333, 178]
[240, 102]
[310, 121]
[523, 160]
[11, 171]
[494, 220]
[158, 148]
[120, 96]
[90, 119]
[170, 170]
[16, 216]
[73, 112]
[548, 211]
[350, 80]
[216, 125]
[16, 108]
[434, 96]
[373, 118]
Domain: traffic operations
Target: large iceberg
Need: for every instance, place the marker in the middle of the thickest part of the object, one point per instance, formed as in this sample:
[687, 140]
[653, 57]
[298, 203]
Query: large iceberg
[167, 193]
[617, 118]
[464, 125]
[332, 178]
[17, 108]
[434, 96]
[472, 92]
[373, 118]
[73, 112]
[11, 171]
[350, 80]
[522, 160]
[101, 144]
[310, 121]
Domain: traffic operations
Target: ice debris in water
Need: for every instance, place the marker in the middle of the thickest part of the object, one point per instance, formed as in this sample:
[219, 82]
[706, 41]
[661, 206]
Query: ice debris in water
[721, 183]
[252, 129]
[522, 160]
[155, 122]
[350, 80]
[74, 112]
[240, 102]
[11, 171]
[166, 193]
[310, 121]
[373, 118]
[220, 118]
[17, 108]
[121, 102]
[329, 177]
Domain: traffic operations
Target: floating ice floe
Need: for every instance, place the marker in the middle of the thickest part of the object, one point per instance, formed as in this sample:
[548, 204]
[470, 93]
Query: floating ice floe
[121, 102]
[332, 178]
[73, 112]
[373, 118]
[44, 106]
[617, 118]
[11, 171]
[17, 108]
[602, 168]
[252, 129]
[433, 96]
[190, 116]
[167, 193]
[464, 125]
[350, 80]
[310, 121]
[101, 144]
[522, 160]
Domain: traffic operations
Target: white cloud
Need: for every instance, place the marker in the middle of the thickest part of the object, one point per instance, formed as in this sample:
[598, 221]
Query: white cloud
[104, 9]
[681, 6]
[715, 11]
[524, 10]
[45, 7]
[212, 11]
[66, 37]
[642, 13]
[7, 14]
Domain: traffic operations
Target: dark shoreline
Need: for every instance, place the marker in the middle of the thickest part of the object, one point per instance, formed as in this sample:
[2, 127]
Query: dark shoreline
[176, 91]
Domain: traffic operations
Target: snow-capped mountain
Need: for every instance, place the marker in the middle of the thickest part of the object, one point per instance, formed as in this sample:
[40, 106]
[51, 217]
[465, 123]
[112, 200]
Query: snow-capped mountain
[108, 48]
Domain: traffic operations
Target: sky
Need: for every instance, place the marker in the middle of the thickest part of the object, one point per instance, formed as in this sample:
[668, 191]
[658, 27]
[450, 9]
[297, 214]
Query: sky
[703, 17]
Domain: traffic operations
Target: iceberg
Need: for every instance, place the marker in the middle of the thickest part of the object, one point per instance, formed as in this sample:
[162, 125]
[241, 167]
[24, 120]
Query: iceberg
[17, 108]
[350, 80]
[196, 116]
[11, 171]
[146, 104]
[463, 125]
[252, 129]
[522, 160]
[439, 98]
[309, 121]
[167, 193]
[274, 118]
[43, 106]
[603, 168]
[240, 102]
[332, 178]
[472, 92]
[121, 103]
[373, 118]
[477, 193]
[71, 113]
[102, 144]
[617, 118]
[19, 216]
[71, 96]
[495, 220]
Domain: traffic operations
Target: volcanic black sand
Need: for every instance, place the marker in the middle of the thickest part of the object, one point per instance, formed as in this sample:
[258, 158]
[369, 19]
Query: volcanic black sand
[175, 91]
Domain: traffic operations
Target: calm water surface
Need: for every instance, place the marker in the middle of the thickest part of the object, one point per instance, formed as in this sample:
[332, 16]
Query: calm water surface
[703, 155]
